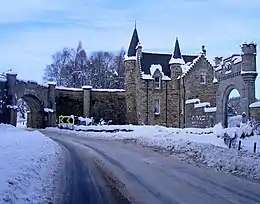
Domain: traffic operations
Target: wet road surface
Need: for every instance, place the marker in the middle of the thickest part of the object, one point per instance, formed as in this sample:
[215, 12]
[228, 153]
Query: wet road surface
[100, 171]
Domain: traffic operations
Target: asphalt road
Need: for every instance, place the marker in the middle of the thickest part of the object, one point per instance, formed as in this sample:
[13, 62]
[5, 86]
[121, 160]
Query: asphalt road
[100, 171]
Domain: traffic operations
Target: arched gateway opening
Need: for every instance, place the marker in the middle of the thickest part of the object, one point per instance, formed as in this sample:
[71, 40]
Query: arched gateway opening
[233, 109]
[30, 112]
[236, 72]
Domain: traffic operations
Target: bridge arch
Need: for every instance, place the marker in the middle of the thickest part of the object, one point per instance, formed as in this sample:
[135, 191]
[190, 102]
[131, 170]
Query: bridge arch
[36, 117]
[39, 98]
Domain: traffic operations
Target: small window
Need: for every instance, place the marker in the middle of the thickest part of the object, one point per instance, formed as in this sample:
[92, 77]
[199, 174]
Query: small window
[157, 82]
[156, 106]
[203, 77]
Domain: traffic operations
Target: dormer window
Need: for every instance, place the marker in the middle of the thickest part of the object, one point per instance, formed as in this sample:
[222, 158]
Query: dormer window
[203, 77]
[157, 82]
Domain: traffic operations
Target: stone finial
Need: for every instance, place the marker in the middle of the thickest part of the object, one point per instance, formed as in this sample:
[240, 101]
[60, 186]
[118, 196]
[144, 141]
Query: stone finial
[218, 61]
[203, 50]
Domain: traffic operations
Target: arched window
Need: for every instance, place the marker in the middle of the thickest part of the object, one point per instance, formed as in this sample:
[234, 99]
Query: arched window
[157, 82]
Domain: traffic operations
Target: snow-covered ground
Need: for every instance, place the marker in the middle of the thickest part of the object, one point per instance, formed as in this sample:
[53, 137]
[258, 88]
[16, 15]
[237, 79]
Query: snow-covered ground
[200, 146]
[29, 162]
[234, 121]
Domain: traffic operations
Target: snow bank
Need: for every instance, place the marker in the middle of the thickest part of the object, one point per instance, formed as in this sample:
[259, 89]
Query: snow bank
[207, 146]
[28, 166]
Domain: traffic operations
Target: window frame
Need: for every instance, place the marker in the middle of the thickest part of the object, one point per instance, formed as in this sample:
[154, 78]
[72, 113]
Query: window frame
[203, 74]
[157, 83]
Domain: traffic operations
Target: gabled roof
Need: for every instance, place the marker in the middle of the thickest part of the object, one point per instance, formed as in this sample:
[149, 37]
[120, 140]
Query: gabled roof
[134, 42]
[163, 59]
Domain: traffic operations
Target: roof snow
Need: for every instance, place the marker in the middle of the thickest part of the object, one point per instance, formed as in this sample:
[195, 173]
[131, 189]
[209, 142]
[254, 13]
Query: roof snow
[228, 71]
[190, 101]
[187, 67]
[255, 105]
[236, 59]
[153, 69]
[176, 61]
[248, 72]
[126, 58]
[2, 78]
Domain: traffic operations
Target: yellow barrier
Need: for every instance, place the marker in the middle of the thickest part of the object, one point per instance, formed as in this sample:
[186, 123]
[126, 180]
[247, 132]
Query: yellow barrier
[66, 120]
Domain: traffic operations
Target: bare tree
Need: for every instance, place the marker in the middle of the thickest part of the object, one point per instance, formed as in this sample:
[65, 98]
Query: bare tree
[61, 67]
[72, 68]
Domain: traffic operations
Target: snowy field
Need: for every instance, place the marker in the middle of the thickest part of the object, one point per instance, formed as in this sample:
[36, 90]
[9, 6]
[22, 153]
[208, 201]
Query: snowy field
[29, 164]
[203, 147]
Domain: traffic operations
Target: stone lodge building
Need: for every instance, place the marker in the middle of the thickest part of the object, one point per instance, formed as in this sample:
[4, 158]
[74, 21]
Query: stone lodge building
[178, 90]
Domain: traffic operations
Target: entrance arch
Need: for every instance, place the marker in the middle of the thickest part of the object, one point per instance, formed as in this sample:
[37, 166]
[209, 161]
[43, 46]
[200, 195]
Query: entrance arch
[225, 103]
[36, 114]
[236, 72]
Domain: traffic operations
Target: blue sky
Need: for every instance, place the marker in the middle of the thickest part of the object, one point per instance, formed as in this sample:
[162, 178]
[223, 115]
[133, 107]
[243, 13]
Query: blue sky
[32, 30]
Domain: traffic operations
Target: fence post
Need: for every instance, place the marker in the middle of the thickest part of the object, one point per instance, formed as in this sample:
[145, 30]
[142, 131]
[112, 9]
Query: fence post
[239, 145]
[254, 147]
[230, 141]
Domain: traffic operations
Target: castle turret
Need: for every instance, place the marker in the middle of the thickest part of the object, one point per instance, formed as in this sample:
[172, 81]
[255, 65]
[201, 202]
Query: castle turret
[176, 61]
[131, 77]
[249, 57]
[175, 97]
[248, 70]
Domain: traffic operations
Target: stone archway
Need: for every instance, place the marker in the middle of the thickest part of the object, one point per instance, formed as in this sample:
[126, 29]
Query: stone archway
[223, 109]
[236, 72]
[36, 115]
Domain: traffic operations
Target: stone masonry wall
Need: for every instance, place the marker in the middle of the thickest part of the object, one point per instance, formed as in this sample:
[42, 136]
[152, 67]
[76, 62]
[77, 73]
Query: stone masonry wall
[109, 106]
[193, 87]
[198, 118]
[130, 91]
[103, 104]
[69, 102]
[3, 98]
[255, 114]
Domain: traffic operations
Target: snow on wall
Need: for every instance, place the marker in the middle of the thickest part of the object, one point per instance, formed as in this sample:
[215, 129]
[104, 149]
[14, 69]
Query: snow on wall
[51, 83]
[195, 100]
[132, 58]
[210, 110]
[48, 110]
[81, 89]
[201, 105]
[248, 72]
[68, 89]
[109, 90]
[86, 87]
